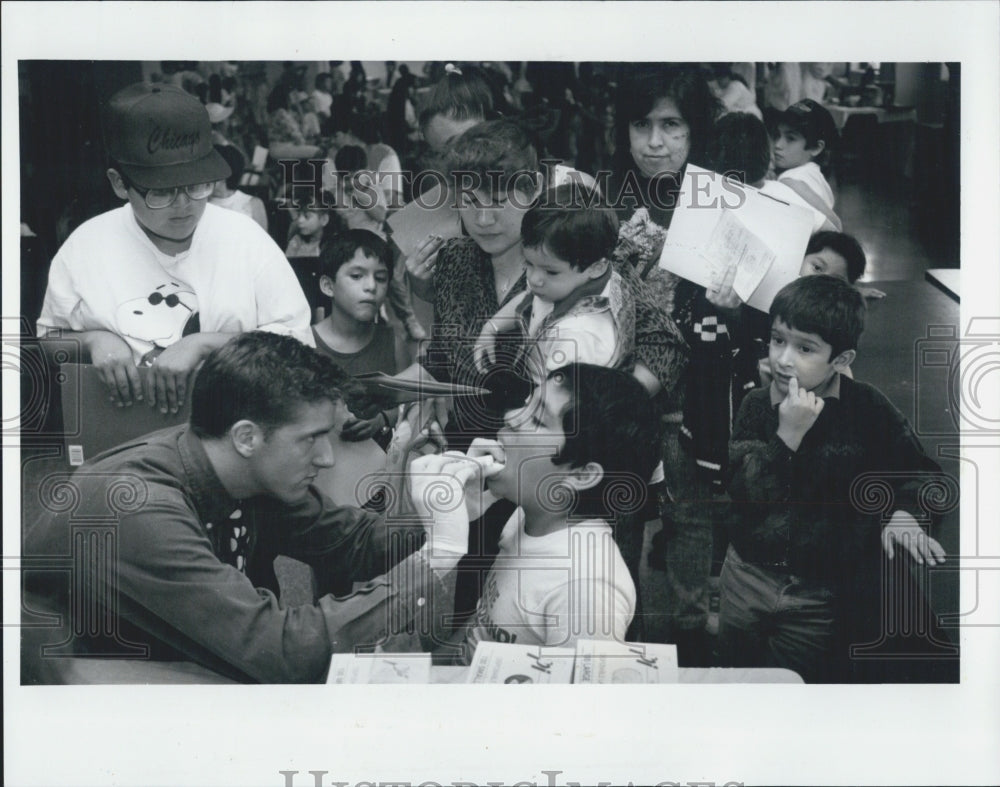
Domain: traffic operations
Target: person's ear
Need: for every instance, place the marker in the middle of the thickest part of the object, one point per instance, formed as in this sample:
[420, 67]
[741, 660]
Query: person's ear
[326, 285]
[843, 361]
[117, 184]
[586, 477]
[597, 269]
[246, 437]
[818, 148]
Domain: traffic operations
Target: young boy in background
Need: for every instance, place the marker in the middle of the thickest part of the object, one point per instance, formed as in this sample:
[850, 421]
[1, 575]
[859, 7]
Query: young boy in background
[805, 136]
[362, 204]
[797, 447]
[586, 436]
[355, 270]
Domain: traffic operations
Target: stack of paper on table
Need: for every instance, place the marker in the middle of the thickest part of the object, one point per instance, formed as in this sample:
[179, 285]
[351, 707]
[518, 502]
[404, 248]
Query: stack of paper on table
[719, 223]
[496, 662]
[608, 661]
[380, 668]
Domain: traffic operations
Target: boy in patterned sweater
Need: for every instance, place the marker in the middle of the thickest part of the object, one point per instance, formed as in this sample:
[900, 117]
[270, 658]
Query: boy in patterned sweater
[799, 449]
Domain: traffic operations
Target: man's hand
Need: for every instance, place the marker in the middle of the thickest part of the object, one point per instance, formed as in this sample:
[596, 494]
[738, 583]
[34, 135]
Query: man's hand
[167, 383]
[438, 490]
[112, 357]
[797, 413]
[489, 454]
[904, 530]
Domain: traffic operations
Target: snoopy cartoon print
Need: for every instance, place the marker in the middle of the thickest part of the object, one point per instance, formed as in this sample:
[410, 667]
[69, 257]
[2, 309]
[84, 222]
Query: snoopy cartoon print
[161, 317]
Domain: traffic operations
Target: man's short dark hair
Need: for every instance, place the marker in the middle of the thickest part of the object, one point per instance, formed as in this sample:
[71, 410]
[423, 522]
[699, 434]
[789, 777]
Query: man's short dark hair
[740, 147]
[262, 377]
[846, 246]
[342, 247]
[611, 420]
[572, 223]
[824, 305]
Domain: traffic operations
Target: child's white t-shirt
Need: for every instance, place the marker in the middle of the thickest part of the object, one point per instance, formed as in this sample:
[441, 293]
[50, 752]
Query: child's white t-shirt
[811, 175]
[109, 276]
[553, 589]
[785, 193]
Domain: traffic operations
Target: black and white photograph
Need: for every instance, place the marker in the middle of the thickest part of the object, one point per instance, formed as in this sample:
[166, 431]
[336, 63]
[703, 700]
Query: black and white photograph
[618, 343]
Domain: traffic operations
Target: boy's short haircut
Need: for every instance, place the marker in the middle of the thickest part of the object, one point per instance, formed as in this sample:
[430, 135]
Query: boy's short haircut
[342, 247]
[846, 246]
[236, 163]
[611, 420]
[824, 305]
[573, 223]
[351, 158]
[740, 147]
[498, 154]
[263, 377]
[814, 122]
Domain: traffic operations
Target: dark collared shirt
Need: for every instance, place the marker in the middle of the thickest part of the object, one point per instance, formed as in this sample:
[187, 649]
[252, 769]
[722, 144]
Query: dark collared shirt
[800, 511]
[169, 520]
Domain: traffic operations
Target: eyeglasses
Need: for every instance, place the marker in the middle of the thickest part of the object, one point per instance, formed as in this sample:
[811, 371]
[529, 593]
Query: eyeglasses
[157, 199]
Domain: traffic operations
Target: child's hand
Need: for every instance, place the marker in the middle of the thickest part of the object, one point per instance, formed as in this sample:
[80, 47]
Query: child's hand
[904, 530]
[484, 351]
[797, 413]
[871, 292]
[358, 429]
[720, 292]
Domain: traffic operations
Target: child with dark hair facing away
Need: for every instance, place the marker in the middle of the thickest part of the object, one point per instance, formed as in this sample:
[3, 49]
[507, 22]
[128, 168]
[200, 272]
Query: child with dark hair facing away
[576, 308]
[740, 148]
[795, 563]
[355, 270]
[584, 433]
[803, 141]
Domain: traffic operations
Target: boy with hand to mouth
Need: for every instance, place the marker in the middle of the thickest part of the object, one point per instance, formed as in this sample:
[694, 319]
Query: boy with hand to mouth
[578, 452]
[804, 555]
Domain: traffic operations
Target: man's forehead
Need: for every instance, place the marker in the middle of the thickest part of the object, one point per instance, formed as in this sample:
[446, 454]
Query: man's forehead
[310, 416]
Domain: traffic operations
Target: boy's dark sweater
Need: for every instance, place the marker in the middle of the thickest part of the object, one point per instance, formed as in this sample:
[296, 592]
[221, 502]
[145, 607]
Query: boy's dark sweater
[796, 511]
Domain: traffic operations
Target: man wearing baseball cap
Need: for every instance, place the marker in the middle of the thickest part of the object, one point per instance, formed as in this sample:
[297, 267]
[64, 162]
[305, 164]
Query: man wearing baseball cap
[166, 278]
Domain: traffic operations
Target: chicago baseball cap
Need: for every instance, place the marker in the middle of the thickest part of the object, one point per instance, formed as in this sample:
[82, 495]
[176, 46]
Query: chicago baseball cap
[813, 120]
[161, 137]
